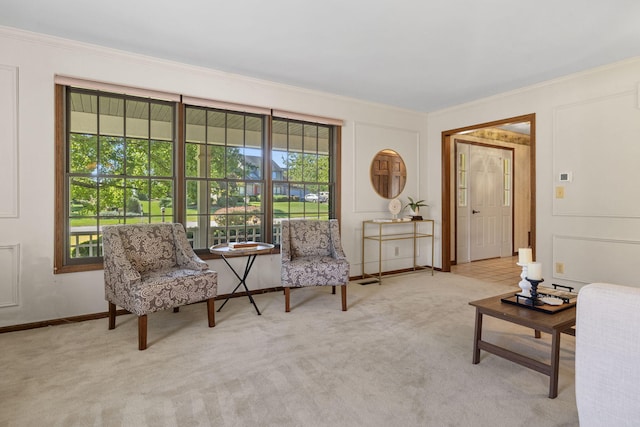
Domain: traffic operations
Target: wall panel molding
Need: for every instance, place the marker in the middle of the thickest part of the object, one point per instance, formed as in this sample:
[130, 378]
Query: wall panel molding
[595, 141]
[8, 141]
[593, 259]
[10, 268]
[369, 139]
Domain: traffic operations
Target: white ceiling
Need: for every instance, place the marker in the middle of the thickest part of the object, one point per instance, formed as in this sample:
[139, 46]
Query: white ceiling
[421, 55]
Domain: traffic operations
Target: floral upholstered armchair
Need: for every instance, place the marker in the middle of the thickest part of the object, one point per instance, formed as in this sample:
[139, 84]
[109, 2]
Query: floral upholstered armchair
[152, 267]
[312, 255]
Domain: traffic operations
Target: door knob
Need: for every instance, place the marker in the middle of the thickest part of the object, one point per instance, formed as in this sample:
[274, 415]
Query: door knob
[475, 211]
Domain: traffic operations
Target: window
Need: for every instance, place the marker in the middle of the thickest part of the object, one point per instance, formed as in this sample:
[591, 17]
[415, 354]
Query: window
[462, 180]
[120, 153]
[507, 177]
[224, 174]
[302, 172]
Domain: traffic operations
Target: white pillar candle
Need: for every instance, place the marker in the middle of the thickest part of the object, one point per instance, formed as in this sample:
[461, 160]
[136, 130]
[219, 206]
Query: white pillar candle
[524, 256]
[534, 271]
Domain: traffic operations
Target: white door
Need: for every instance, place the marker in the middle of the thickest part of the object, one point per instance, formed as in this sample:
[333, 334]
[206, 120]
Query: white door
[486, 193]
[484, 202]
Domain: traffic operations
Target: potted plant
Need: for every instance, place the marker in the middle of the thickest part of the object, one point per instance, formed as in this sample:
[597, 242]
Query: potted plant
[414, 206]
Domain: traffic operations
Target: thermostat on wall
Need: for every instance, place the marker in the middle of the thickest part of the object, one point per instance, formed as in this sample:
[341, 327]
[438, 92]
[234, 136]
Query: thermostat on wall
[566, 176]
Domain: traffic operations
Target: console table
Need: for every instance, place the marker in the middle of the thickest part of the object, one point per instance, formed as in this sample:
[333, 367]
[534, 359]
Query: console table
[387, 230]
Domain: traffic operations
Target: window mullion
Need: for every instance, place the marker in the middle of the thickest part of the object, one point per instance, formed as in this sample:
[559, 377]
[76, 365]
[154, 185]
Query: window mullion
[267, 190]
[179, 167]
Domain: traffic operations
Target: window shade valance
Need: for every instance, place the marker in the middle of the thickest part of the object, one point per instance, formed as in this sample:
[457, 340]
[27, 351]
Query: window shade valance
[191, 100]
[203, 102]
[306, 117]
[115, 88]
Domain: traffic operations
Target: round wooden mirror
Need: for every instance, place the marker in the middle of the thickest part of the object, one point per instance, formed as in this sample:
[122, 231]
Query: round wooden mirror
[388, 174]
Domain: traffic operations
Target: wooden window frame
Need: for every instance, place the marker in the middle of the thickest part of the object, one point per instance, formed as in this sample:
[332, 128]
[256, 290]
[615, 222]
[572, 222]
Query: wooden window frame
[61, 161]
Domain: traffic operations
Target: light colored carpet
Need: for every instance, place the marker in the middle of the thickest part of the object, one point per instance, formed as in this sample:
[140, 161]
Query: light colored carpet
[401, 356]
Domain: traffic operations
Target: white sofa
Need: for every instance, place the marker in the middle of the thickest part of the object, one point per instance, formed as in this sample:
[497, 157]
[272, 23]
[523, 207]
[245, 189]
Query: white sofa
[608, 355]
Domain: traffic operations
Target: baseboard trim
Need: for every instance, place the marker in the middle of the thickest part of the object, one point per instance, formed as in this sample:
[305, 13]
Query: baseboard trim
[60, 321]
[105, 314]
[392, 272]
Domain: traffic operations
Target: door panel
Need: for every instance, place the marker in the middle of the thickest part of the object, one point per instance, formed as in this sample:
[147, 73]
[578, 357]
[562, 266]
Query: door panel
[485, 199]
[484, 202]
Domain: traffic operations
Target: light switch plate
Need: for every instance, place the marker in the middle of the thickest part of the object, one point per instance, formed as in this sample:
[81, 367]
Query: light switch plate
[566, 177]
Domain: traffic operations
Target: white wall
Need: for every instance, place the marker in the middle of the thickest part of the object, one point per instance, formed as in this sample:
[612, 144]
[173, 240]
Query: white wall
[587, 124]
[29, 291]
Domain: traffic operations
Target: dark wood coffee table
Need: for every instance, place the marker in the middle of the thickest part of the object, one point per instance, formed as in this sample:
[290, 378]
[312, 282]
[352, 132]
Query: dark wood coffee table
[554, 324]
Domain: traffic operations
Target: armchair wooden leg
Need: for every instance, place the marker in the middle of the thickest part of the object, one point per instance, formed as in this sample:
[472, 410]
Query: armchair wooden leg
[344, 297]
[211, 312]
[287, 293]
[176, 309]
[333, 290]
[142, 332]
[112, 315]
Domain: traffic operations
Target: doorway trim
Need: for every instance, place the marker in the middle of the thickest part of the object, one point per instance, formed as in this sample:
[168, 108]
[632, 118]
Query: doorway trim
[447, 197]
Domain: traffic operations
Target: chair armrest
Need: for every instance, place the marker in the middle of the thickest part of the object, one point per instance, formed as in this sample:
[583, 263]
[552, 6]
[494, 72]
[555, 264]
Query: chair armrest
[285, 238]
[124, 274]
[193, 263]
[185, 256]
[336, 245]
[118, 270]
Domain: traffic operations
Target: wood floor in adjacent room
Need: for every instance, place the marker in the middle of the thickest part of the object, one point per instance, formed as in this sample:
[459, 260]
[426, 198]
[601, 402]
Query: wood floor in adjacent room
[495, 270]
